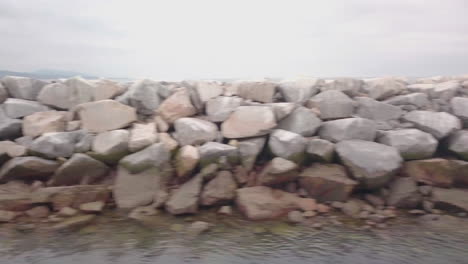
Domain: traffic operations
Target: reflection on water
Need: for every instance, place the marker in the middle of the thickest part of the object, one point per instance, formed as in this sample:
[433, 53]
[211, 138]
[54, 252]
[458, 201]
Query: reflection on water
[160, 239]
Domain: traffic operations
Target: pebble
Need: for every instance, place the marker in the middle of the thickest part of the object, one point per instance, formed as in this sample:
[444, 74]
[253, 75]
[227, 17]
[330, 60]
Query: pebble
[295, 217]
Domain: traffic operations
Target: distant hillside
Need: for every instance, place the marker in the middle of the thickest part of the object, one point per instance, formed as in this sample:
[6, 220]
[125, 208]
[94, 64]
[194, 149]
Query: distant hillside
[47, 74]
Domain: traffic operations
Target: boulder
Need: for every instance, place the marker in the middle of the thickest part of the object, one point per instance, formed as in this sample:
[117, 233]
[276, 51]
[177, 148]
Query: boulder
[198, 227]
[349, 86]
[418, 100]
[299, 91]
[106, 89]
[450, 199]
[56, 144]
[426, 88]
[15, 196]
[3, 93]
[27, 168]
[378, 111]
[155, 155]
[302, 121]
[143, 96]
[320, 150]
[161, 124]
[105, 115]
[436, 172]
[282, 110]
[384, 88]
[411, 143]
[7, 216]
[170, 143]
[438, 124]
[327, 182]
[92, 207]
[249, 121]
[249, 149]
[186, 160]
[332, 104]
[40, 123]
[139, 189]
[176, 106]
[84, 143]
[458, 144]
[257, 91]
[287, 145]
[445, 90]
[194, 131]
[371, 164]
[141, 136]
[67, 95]
[220, 190]
[79, 169]
[184, 200]
[9, 128]
[348, 128]
[460, 108]
[404, 193]
[18, 108]
[23, 87]
[220, 108]
[110, 146]
[9, 149]
[278, 171]
[206, 90]
[210, 152]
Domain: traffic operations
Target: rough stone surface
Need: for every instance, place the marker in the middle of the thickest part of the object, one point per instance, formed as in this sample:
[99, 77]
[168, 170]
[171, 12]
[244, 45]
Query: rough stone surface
[141, 136]
[282, 110]
[278, 171]
[210, 152]
[186, 160]
[288, 145]
[67, 95]
[220, 108]
[460, 108]
[56, 144]
[178, 105]
[370, 163]
[184, 200]
[193, 131]
[220, 190]
[106, 89]
[75, 222]
[110, 146]
[320, 150]
[458, 144]
[404, 193]
[349, 86]
[143, 96]
[416, 99]
[436, 172]
[384, 88]
[105, 115]
[257, 91]
[23, 87]
[302, 121]
[332, 104]
[411, 143]
[79, 169]
[327, 182]
[170, 143]
[155, 155]
[249, 149]
[438, 124]
[3, 93]
[450, 199]
[92, 207]
[249, 121]
[349, 128]
[39, 123]
[18, 108]
[206, 90]
[298, 91]
[27, 168]
[9, 149]
[375, 110]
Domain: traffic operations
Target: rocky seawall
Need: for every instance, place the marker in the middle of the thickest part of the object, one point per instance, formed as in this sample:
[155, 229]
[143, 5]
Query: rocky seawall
[368, 148]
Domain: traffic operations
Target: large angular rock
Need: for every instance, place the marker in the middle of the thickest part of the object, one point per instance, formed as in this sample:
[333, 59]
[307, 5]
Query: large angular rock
[299, 91]
[249, 149]
[438, 124]
[450, 199]
[67, 95]
[411, 143]
[170, 143]
[426, 88]
[70, 196]
[370, 163]
[436, 172]
[110, 146]
[10, 149]
[384, 88]
[23, 87]
[257, 91]
[194, 131]
[220, 108]
[445, 90]
[332, 104]
[17, 108]
[210, 152]
[3, 93]
[220, 190]
[320, 150]
[282, 110]
[56, 144]
[349, 128]
[155, 155]
[287, 145]
[206, 90]
[105, 115]
[79, 169]
[143, 95]
[302, 121]
[375, 110]
[278, 171]
[186, 160]
[15, 196]
[9, 128]
[404, 193]
[249, 121]
[44, 122]
[139, 189]
[141, 136]
[416, 99]
[106, 89]
[458, 144]
[27, 168]
[349, 86]
[460, 108]
[327, 182]
[184, 200]
[178, 105]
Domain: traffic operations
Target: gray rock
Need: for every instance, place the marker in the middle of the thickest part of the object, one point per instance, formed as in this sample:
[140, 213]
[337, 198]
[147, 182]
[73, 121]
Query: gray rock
[17, 108]
[426, 88]
[206, 90]
[176, 106]
[184, 200]
[282, 110]
[79, 169]
[210, 152]
[139, 189]
[352, 208]
[220, 190]
[67, 95]
[450, 199]
[143, 95]
[438, 124]
[141, 136]
[295, 217]
[332, 104]
[299, 91]
[460, 108]
[278, 171]
[257, 91]
[186, 160]
[194, 131]
[9, 149]
[75, 222]
[370, 163]
[44, 122]
[198, 227]
[3, 93]
[411, 143]
[218, 109]
[56, 144]
[384, 88]
[320, 150]
[110, 146]
[249, 121]
[404, 193]
[106, 89]
[287, 145]
[27, 168]
[436, 172]
[249, 149]
[445, 90]
[349, 86]
[302, 121]
[155, 155]
[458, 144]
[419, 100]
[375, 110]
[105, 115]
[349, 128]
[9, 128]
[84, 143]
[23, 87]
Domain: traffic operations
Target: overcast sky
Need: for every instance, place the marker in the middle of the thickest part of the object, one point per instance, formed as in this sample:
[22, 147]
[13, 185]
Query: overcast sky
[176, 39]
